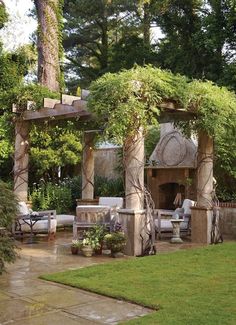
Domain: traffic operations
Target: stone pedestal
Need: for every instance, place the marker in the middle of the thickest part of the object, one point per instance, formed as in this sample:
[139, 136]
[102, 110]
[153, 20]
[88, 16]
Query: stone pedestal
[201, 224]
[176, 231]
[133, 223]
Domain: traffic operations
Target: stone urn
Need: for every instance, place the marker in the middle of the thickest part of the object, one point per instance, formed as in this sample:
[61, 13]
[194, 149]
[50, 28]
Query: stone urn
[87, 250]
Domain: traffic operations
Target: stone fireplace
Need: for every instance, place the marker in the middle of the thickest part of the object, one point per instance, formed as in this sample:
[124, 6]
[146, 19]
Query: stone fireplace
[172, 168]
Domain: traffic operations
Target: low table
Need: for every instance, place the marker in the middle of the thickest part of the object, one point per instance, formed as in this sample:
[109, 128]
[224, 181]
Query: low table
[31, 221]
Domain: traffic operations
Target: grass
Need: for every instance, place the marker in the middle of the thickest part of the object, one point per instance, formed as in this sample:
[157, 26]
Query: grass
[193, 287]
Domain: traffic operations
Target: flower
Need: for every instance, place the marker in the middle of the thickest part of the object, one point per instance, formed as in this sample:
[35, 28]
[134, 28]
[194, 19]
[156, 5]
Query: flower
[75, 243]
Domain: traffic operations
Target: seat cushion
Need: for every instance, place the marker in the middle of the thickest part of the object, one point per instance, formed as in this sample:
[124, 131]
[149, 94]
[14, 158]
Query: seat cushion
[65, 219]
[167, 225]
[23, 209]
[40, 225]
[111, 201]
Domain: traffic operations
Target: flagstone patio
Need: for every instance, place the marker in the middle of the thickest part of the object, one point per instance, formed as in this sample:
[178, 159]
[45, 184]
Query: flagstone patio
[25, 299]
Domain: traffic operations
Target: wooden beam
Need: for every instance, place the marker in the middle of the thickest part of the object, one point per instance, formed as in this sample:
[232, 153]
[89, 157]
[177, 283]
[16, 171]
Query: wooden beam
[68, 99]
[59, 111]
[50, 103]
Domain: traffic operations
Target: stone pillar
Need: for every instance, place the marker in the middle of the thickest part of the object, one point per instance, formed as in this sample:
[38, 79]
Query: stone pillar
[88, 167]
[21, 160]
[133, 217]
[201, 216]
[205, 170]
[134, 171]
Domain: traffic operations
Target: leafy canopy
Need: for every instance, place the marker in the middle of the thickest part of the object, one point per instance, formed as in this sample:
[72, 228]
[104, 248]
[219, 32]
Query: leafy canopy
[130, 99]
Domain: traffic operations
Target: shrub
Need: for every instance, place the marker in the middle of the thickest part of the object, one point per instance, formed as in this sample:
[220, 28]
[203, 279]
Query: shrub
[52, 196]
[8, 210]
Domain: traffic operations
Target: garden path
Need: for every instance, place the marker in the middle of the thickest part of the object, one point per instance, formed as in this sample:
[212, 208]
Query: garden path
[27, 300]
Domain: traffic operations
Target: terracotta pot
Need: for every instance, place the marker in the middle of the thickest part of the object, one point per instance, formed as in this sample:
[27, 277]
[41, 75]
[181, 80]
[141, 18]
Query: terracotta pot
[74, 250]
[98, 251]
[87, 251]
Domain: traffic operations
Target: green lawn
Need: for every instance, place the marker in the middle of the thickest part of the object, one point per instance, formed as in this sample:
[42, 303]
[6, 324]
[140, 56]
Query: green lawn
[194, 287]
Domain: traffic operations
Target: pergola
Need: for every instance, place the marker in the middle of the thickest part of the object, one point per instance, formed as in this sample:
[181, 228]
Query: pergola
[133, 213]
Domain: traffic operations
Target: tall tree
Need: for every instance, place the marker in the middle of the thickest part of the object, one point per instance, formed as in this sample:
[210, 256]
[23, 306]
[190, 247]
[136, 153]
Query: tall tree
[48, 43]
[105, 36]
[199, 37]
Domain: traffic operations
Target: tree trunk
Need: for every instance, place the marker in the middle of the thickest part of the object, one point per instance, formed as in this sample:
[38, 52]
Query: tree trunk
[48, 43]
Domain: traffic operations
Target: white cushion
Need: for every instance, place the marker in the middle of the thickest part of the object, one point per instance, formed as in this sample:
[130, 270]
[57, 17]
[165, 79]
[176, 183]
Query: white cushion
[187, 204]
[111, 201]
[23, 209]
[41, 225]
[167, 225]
[64, 219]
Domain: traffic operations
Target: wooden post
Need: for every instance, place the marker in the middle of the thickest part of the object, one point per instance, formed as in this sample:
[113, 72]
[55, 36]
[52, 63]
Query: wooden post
[88, 167]
[21, 160]
[134, 171]
[201, 216]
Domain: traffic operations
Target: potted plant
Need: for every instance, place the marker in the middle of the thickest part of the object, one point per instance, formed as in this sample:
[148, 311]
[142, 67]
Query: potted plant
[115, 241]
[75, 245]
[97, 234]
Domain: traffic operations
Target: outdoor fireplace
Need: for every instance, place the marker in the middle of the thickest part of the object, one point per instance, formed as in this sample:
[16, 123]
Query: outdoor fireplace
[172, 168]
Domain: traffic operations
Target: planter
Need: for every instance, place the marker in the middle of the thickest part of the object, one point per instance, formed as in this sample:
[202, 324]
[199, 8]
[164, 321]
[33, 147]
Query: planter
[87, 251]
[98, 251]
[117, 254]
[74, 250]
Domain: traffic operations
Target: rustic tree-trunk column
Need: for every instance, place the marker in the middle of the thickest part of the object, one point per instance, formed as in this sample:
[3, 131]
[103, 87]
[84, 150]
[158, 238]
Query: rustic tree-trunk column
[201, 215]
[88, 167]
[134, 171]
[205, 171]
[133, 216]
[21, 160]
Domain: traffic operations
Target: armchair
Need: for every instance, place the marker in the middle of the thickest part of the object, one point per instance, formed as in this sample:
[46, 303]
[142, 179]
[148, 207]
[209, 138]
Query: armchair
[163, 223]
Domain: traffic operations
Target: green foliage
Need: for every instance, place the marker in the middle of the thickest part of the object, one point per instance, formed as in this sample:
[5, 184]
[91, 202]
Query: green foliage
[130, 98]
[104, 36]
[6, 146]
[199, 38]
[54, 146]
[23, 93]
[115, 241]
[215, 108]
[108, 187]
[52, 196]
[3, 15]
[8, 211]
[63, 195]
[151, 139]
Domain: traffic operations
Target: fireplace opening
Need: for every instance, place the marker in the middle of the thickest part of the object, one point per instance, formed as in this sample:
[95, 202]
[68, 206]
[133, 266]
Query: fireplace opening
[167, 194]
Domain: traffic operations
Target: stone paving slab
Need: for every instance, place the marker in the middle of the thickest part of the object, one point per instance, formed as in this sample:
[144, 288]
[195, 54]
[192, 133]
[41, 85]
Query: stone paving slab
[109, 311]
[18, 308]
[58, 318]
[65, 298]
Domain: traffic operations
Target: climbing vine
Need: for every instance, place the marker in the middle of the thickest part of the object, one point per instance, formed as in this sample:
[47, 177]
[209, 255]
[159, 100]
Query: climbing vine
[131, 98]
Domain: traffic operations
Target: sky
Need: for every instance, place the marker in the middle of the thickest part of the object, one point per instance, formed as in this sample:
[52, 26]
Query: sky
[20, 26]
